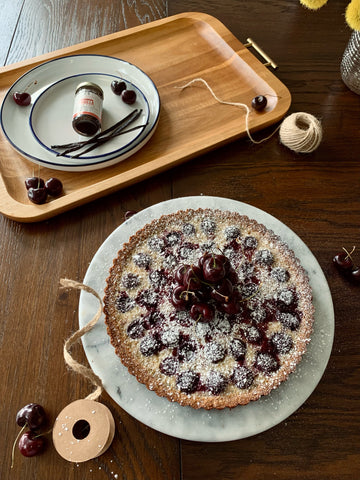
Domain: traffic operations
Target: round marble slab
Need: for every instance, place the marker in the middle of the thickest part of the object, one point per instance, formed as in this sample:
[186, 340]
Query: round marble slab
[186, 422]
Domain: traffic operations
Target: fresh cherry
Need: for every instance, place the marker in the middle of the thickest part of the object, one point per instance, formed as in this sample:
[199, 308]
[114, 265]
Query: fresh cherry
[38, 190]
[129, 213]
[54, 186]
[343, 261]
[202, 312]
[31, 444]
[128, 96]
[180, 272]
[355, 275]
[22, 98]
[206, 286]
[213, 270]
[33, 415]
[192, 278]
[259, 102]
[231, 308]
[203, 258]
[232, 276]
[38, 195]
[180, 297]
[118, 87]
[34, 182]
[223, 291]
[203, 295]
[224, 260]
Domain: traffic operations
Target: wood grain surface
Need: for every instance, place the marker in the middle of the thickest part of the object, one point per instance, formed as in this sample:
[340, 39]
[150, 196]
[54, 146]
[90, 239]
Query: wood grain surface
[226, 64]
[316, 195]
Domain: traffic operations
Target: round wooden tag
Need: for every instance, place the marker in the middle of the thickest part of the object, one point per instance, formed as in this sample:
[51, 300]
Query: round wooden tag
[83, 430]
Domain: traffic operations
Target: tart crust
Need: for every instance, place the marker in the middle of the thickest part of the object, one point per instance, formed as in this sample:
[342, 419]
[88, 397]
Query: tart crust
[165, 244]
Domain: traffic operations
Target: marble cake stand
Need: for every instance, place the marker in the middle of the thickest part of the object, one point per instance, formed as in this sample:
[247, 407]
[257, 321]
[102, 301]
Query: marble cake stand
[185, 422]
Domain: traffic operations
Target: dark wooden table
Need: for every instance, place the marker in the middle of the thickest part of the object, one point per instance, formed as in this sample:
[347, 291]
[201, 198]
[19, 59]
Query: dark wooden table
[316, 195]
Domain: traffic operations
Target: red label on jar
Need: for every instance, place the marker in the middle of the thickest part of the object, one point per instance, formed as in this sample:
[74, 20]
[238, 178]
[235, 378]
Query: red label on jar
[87, 102]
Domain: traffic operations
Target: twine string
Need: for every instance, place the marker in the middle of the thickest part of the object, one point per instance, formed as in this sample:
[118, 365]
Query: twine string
[75, 337]
[235, 104]
[300, 132]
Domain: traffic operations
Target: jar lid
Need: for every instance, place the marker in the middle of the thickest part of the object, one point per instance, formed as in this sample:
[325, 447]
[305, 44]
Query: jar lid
[90, 85]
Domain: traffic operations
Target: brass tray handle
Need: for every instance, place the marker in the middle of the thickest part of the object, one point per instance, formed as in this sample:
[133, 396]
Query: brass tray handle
[260, 51]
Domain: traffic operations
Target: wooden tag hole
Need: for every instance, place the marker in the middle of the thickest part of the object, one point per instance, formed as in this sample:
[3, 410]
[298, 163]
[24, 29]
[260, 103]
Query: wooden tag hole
[81, 429]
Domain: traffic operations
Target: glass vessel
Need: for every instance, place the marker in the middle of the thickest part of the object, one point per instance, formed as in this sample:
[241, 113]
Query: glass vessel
[350, 63]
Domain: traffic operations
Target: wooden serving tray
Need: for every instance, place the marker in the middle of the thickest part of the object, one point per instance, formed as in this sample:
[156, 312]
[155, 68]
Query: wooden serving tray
[172, 51]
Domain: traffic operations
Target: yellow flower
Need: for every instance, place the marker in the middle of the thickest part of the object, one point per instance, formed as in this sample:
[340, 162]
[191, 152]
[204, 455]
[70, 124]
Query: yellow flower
[352, 13]
[313, 4]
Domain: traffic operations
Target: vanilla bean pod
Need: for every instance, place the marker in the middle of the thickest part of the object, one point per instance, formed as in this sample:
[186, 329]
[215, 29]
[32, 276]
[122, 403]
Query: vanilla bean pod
[100, 137]
[104, 140]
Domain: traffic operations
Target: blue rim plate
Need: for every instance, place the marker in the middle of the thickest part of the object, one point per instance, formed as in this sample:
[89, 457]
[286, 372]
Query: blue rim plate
[22, 125]
[51, 112]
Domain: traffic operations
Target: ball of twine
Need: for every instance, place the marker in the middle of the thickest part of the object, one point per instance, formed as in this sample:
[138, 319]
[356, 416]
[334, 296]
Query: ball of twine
[301, 132]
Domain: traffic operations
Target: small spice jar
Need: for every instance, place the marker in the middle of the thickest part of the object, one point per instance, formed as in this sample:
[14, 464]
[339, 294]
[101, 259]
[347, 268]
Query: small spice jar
[87, 109]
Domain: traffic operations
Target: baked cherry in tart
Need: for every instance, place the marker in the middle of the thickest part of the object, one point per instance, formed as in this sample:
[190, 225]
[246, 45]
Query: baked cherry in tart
[208, 308]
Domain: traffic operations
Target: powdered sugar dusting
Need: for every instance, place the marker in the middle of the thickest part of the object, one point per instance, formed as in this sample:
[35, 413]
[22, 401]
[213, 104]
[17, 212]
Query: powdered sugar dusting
[205, 356]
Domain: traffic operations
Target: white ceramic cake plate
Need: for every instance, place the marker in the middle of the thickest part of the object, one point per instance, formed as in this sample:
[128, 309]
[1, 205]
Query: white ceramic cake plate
[185, 422]
[32, 130]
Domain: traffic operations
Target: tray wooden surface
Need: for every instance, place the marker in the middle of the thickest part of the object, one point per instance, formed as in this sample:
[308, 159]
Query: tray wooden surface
[172, 51]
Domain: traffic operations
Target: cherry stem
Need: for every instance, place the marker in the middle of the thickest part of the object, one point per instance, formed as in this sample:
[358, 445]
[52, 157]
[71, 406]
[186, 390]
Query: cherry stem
[187, 292]
[196, 277]
[42, 434]
[15, 442]
[206, 283]
[226, 297]
[348, 254]
[30, 85]
[251, 296]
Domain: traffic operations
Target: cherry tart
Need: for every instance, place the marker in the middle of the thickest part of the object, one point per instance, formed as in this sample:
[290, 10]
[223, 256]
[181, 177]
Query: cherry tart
[208, 308]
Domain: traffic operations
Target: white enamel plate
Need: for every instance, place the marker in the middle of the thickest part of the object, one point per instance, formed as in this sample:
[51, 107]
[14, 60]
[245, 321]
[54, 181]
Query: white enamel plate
[186, 422]
[47, 120]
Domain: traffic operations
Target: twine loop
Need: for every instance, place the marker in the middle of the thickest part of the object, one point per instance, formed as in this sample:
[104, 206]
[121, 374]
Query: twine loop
[75, 337]
[234, 104]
